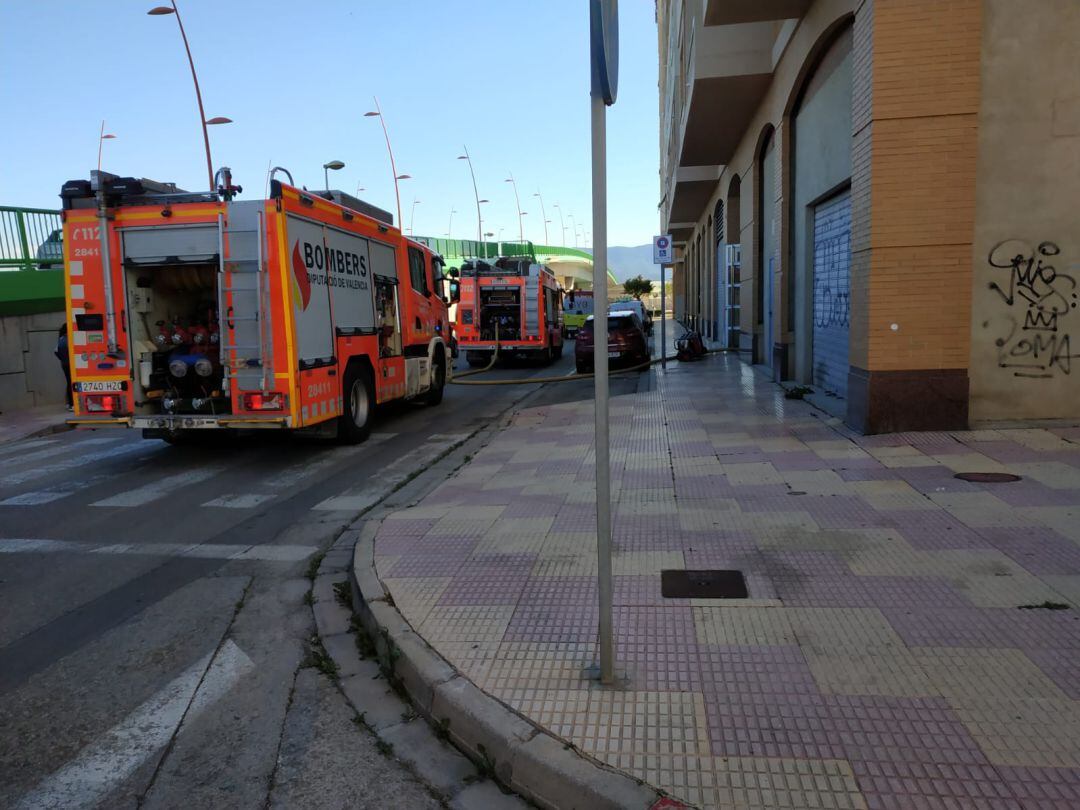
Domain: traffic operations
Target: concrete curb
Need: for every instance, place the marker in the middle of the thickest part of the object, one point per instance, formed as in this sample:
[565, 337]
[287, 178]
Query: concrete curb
[532, 762]
[47, 430]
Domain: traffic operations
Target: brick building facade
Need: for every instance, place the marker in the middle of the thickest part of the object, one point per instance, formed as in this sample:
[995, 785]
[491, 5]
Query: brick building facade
[876, 199]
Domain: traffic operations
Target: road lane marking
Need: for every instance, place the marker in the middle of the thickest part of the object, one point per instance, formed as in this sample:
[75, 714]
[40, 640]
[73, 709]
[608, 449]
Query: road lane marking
[71, 447]
[104, 765]
[208, 551]
[24, 476]
[161, 488]
[19, 447]
[38, 497]
[295, 474]
[393, 475]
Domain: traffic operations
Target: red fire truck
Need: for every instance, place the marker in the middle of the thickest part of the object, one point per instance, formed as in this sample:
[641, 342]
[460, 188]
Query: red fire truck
[513, 300]
[195, 311]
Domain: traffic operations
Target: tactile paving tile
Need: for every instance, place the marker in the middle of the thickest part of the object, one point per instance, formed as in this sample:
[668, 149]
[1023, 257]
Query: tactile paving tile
[722, 626]
[760, 783]
[966, 675]
[1025, 732]
[467, 623]
[621, 725]
[416, 596]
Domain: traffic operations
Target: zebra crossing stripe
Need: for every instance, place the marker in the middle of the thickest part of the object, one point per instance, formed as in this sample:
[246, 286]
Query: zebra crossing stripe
[21, 447]
[293, 475]
[160, 489]
[23, 476]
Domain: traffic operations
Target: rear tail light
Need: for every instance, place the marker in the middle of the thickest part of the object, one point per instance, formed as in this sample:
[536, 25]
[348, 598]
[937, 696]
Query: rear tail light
[273, 401]
[102, 403]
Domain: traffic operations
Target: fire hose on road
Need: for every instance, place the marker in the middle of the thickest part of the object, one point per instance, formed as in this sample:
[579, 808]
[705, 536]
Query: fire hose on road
[562, 378]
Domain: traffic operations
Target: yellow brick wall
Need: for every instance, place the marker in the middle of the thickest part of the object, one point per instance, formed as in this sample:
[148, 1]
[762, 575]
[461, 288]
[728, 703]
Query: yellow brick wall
[924, 90]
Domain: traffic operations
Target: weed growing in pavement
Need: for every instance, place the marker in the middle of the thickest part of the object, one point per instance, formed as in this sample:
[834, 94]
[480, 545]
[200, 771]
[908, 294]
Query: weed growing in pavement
[360, 720]
[319, 659]
[468, 457]
[486, 766]
[313, 565]
[343, 592]
[364, 645]
[384, 748]
[1046, 606]
[309, 597]
[798, 392]
[442, 729]
[409, 715]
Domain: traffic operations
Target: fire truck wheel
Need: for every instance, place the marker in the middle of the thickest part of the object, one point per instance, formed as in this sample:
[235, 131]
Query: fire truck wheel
[358, 392]
[438, 382]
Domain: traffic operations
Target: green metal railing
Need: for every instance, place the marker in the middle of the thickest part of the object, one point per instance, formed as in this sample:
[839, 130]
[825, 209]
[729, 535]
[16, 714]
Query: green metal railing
[31, 261]
[30, 239]
[457, 250]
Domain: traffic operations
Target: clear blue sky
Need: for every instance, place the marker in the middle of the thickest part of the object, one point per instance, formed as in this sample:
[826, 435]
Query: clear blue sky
[510, 78]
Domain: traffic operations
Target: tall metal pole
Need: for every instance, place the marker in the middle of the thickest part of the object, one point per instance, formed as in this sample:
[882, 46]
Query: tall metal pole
[393, 168]
[412, 215]
[600, 381]
[562, 224]
[450, 227]
[476, 194]
[517, 202]
[573, 224]
[198, 97]
[663, 319]
[543, 213]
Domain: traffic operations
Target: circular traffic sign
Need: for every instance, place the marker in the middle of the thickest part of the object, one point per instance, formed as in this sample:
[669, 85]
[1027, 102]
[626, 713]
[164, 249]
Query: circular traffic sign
[604, 29]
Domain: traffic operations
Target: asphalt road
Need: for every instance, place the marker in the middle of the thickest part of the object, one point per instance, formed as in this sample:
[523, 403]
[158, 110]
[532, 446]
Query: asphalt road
[154, 629]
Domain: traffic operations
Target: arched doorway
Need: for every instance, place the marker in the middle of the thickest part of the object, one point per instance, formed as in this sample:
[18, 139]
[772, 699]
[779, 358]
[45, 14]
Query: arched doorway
[731, 261]
[767, 254]
[821, 214]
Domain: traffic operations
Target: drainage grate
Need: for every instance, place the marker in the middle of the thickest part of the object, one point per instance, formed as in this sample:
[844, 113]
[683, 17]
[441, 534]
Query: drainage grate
[987, 477]
[702, 584]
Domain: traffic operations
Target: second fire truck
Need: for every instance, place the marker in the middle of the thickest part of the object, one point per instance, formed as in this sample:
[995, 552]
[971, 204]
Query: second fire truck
[513, 302]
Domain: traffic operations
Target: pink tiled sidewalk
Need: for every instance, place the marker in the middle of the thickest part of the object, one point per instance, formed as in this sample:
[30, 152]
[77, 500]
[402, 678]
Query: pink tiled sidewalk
[883, 659]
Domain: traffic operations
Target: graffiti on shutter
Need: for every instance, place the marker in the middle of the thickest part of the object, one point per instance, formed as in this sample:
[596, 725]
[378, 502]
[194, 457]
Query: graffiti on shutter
[832, 293]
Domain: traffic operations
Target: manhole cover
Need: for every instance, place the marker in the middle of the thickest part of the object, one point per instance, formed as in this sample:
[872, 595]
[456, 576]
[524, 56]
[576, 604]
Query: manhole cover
[987, 477]
[702, 584]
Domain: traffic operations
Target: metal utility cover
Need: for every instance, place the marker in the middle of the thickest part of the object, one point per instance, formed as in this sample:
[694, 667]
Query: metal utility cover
[714, 584]
[987, 477]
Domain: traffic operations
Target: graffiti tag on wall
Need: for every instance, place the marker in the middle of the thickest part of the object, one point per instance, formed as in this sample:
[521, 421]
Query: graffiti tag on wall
[1039, 343]
[832, 283]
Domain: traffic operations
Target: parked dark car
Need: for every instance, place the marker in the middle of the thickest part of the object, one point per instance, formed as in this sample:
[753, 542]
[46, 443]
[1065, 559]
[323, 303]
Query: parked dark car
[626, 341]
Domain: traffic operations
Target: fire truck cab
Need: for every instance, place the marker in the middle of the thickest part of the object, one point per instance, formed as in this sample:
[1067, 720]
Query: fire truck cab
[196, 311]
[513, 302]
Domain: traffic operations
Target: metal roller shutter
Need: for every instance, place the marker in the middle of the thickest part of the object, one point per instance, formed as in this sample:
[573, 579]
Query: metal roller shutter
[832, 293]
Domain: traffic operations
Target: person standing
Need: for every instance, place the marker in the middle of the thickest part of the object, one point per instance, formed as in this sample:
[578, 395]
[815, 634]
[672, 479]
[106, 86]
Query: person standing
[65, 363]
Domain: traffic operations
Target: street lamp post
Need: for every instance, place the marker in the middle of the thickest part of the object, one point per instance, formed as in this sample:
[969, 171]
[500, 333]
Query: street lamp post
[543, 213]
[479, 218]
[377, 113]
[160, 10]
[359, 188]
[573, 224]
[333, 164]
[562, 224]
[450, 227]
[517, 202]
[412, 215]
[104, 136]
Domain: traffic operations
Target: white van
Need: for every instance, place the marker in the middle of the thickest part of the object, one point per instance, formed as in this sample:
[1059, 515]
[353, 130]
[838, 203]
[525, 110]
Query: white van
[638, 308]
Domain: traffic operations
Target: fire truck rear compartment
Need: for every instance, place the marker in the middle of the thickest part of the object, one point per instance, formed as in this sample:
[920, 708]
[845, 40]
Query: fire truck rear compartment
[175, 339]
[500, 307]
